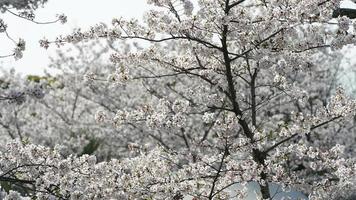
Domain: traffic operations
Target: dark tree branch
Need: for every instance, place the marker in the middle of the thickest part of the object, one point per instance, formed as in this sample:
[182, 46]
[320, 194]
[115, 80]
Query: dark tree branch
[294, 135]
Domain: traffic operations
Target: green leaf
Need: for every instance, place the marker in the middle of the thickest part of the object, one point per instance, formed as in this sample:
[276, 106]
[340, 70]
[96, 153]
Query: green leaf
[5, 185]
[91, 147]
[34, 78]
[270, 135]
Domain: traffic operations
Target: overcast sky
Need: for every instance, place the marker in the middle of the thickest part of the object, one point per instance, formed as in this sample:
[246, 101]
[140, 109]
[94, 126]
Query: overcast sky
[81, 13]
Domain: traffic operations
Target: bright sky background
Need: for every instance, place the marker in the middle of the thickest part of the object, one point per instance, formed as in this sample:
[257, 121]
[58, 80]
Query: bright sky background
[81, 13]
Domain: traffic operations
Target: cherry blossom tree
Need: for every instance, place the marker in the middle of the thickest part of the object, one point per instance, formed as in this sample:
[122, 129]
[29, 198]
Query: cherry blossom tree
[219, 94]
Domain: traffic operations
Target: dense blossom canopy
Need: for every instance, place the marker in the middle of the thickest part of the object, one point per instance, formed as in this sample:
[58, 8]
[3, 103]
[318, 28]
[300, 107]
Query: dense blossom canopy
[199, 101]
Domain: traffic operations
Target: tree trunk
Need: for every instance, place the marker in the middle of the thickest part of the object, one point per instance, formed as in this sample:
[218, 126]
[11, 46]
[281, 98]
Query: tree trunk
[265, 188]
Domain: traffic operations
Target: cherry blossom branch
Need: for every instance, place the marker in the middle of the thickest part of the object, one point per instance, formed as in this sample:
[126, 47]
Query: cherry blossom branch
[235, 4]
[294, 135]
[225, 154]
[61, 18]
